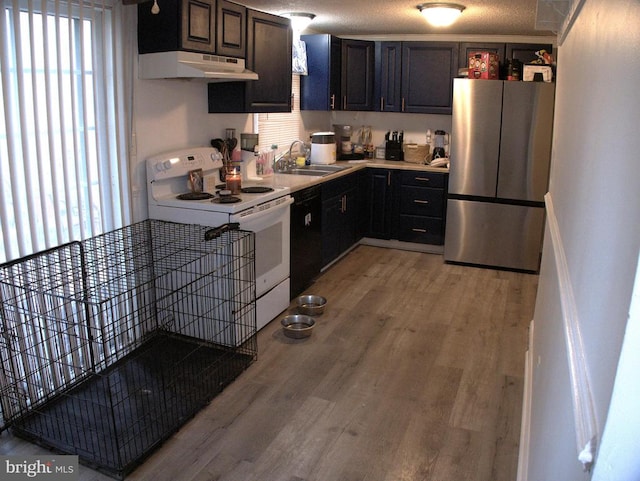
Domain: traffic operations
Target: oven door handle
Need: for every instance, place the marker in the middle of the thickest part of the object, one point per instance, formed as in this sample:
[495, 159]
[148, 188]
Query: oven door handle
[218, 231]
[257, 213]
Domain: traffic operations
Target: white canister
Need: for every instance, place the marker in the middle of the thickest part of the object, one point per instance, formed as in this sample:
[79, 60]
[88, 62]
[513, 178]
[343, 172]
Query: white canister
[323, 148]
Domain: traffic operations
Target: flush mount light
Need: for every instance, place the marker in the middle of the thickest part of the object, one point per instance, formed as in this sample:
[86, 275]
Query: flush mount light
[440, 14]
[299, 20]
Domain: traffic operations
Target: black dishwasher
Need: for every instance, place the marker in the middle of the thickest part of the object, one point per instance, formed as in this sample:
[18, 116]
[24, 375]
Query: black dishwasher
[306, 239]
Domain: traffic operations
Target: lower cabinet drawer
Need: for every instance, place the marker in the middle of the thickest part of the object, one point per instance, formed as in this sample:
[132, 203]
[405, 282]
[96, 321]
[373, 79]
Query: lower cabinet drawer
[424, 230]
[421, 201]
[423, 179]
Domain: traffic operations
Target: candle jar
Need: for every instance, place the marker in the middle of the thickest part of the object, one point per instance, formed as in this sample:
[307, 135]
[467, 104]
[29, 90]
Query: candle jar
[233, 181]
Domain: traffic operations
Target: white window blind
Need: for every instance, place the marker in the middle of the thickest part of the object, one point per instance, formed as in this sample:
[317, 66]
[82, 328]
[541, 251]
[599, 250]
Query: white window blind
[62, 117]
[282, 128]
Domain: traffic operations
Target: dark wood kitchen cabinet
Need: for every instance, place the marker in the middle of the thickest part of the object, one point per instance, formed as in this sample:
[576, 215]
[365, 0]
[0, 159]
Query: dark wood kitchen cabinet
[380, 200]
[340, 213]
[358, 73]
[231, 29]
[406, 205]
[340, 76]
[320, 89]
[523, 52]
[428, 70]
[306, 239]
[421, 207]
[269, 51]
[467, 48]
[388, 81]
[204, 26]
[425, 83]
[269, 43]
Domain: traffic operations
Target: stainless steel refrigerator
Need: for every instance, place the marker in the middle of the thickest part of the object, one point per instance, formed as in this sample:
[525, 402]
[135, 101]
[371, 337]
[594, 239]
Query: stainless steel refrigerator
[499, 172]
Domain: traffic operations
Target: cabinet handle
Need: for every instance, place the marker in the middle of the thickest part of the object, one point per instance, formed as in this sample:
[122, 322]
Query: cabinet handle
[402, 104]
[388, 178]
[424, 179]
[344, 203]
[333, 101]
[418, 201]
[381, 104]
[422, 231]
[344, 103]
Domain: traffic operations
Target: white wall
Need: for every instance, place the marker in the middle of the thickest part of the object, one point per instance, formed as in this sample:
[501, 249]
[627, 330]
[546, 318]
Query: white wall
[172, 114]
[595, 187]
[618, 458]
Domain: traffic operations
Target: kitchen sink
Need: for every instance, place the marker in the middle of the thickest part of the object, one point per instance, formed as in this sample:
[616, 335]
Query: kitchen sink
[315, 170]
[313, 173]
[324, 167]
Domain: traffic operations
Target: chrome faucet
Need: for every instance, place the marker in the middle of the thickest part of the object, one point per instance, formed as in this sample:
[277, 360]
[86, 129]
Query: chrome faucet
[286, 161]
[294, 143]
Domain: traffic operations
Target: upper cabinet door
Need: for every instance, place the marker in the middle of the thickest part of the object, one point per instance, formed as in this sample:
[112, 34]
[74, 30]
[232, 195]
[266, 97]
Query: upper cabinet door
[320, 89]
[198, 25]
[389, 66]
[358, 71]
[428, 70]
[269, 52]
[231, 29]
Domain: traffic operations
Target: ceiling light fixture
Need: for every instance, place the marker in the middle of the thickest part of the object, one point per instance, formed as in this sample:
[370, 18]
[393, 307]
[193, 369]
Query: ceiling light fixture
[441, 14]
[299, 20]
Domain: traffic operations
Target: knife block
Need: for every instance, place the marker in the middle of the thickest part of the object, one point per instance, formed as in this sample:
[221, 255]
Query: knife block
[393, 150]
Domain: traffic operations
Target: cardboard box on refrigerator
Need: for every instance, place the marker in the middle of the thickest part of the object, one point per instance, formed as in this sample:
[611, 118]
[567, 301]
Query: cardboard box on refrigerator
[484, 65]
[529, 71]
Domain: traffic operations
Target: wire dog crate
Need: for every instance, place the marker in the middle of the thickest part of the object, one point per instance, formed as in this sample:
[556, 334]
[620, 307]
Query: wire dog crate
[109, 345]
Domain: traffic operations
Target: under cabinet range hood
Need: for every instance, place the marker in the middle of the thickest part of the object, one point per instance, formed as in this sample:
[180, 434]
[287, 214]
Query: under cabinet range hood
[191, 65]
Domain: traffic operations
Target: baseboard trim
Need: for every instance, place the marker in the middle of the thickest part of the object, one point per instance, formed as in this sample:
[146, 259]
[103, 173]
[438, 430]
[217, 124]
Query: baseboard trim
[525, 424]
[401, 245]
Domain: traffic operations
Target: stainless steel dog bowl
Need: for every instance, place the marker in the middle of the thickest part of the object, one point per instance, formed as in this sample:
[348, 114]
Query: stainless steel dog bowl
[311, 305]
[297, 326]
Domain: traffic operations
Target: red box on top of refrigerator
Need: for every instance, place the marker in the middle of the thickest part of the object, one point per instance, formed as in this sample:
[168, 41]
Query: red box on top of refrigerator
[484, 65]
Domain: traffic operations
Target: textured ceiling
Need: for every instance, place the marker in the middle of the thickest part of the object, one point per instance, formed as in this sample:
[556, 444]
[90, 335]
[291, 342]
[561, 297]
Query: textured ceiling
[401, 17]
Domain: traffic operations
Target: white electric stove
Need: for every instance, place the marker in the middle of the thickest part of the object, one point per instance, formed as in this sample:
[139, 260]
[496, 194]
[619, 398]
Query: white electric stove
[261, 207]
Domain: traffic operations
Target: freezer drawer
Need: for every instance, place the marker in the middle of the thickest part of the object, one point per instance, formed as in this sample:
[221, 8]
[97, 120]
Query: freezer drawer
[492, 234]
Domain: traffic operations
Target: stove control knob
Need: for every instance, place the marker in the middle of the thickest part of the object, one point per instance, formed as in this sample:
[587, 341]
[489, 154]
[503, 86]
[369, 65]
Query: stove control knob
[166, 165]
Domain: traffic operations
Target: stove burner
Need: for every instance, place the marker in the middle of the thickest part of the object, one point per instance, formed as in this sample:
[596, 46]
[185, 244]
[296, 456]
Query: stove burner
[227, 199]
[258, 189]
[195, 196]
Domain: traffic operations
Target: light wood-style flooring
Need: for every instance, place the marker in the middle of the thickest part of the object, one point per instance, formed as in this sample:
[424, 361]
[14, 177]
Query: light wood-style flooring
[414, 373]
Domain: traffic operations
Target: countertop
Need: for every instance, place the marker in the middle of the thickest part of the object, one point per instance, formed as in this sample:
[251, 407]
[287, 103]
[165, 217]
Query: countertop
[299, 182]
